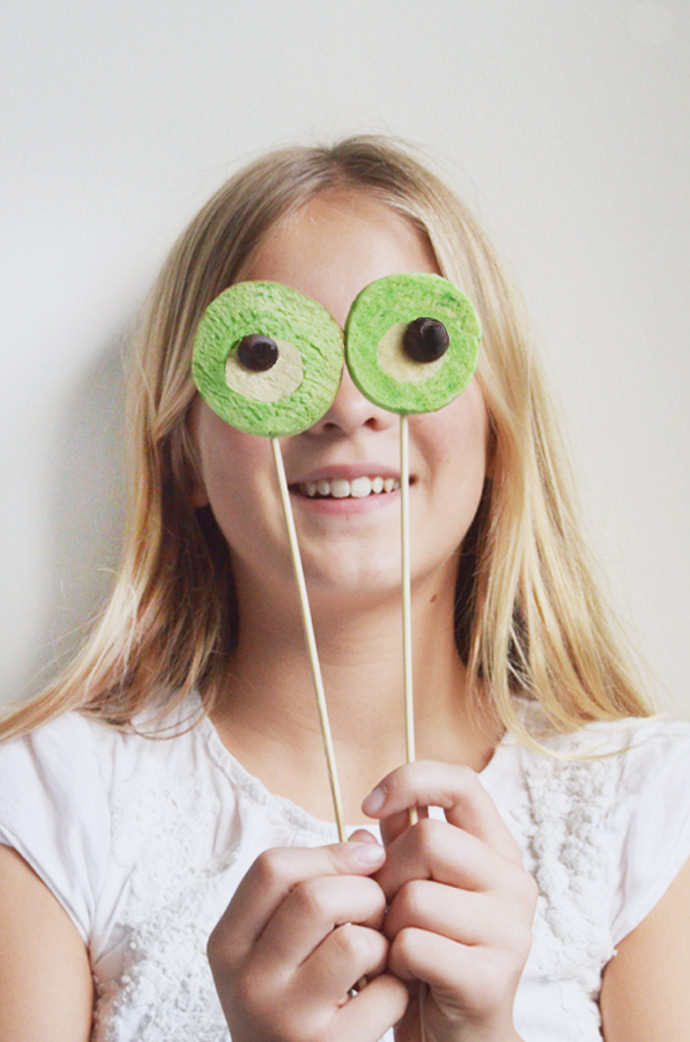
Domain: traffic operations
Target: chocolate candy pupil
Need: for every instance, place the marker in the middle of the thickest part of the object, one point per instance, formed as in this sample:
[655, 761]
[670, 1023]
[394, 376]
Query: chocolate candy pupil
[257, 353]
[425, 339]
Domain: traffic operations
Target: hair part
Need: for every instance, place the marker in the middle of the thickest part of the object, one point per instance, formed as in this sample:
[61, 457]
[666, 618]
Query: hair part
[530, 618]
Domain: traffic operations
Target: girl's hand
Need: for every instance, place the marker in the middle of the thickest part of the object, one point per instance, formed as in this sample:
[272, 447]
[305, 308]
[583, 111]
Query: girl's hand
[460, 904]
[302, 929]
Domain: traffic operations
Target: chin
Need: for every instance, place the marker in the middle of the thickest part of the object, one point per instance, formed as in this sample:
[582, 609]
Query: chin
[354, 588]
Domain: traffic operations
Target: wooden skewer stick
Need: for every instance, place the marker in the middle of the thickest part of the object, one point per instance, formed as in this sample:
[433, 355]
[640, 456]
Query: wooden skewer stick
[413, 814]
[308, 627]
[406, 599]
[312, 652]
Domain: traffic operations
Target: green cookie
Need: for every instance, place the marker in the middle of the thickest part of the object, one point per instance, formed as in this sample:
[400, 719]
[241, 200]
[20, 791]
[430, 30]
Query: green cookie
[412, 342]
[267, 359]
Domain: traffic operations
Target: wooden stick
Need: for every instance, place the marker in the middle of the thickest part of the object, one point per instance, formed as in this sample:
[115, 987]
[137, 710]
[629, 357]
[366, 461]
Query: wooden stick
[413, 813]
[406, 599]
[310, 639]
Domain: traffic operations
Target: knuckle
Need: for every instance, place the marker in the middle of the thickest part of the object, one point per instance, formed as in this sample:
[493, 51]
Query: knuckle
[403, 954]
[248, 998]
[269, 868]
[310, 1027]
[459, 781]
[352, 943]
[311, 898]
[410, 900]
[249, 991]
[517, 940]
[494, 974]
[376, 896]
[488, 975]
[523, 942]
[404, 946]
[220, 951]
[428, 833]
[215, 947]
[466, 777]
[527, 890]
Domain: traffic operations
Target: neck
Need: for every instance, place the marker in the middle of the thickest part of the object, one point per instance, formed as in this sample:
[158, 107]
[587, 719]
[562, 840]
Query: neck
[269, 718]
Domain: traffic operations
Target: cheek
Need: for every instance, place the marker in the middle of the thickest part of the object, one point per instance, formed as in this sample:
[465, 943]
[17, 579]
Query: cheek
[228, 463]
[457, 435]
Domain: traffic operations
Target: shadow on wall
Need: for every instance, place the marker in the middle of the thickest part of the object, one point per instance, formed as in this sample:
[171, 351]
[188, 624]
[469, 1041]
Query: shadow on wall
[86, 506]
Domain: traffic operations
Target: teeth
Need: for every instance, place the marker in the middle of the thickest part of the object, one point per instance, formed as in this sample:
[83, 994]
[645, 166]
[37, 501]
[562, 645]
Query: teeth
[360, 488]
[340, 488]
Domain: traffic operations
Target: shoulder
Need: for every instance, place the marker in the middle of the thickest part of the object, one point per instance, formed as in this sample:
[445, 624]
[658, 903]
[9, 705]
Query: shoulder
[75, 747]
[63, 789]
[637, 763]
[53, 809]
[619, 770]
[50, 759]
[650, 825]
[610, 804]
[623, 747]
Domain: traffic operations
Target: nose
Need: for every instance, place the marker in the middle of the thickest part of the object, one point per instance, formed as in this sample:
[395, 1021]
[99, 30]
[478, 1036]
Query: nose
[351, 410]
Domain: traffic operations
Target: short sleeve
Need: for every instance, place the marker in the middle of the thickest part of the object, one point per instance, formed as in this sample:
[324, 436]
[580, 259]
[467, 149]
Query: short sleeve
[652, 820]
[53, 812]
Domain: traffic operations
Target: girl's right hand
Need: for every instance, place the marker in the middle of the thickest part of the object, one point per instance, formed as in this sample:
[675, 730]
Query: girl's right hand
[302, 929]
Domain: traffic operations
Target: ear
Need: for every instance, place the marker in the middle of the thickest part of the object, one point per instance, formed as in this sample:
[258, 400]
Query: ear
[197, 489]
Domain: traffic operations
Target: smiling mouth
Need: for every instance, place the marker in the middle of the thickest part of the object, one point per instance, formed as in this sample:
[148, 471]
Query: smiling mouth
[341, 488]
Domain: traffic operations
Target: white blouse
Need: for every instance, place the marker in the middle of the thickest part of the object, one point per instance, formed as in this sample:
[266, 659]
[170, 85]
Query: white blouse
[144, 841]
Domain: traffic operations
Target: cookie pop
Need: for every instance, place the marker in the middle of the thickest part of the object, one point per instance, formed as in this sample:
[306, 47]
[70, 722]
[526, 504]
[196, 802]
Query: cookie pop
[411, 346]
[412, 342]
[268, 361]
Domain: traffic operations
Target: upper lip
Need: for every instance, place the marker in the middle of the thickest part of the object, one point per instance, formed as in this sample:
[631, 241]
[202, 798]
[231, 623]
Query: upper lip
[349, 472]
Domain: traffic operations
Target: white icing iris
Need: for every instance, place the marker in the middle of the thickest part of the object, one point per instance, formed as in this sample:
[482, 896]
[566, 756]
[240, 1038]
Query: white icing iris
[271, 385]
[394, 360]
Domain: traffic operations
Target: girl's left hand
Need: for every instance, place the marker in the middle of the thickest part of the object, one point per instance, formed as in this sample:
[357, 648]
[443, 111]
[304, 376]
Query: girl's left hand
[461, 904]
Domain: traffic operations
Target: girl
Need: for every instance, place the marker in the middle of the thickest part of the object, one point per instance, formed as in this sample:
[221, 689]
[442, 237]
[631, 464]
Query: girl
[170, 787]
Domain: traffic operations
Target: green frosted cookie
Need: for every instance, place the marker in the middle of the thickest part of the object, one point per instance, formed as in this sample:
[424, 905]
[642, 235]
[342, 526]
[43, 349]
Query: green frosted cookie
[412, 342]
[267, 359]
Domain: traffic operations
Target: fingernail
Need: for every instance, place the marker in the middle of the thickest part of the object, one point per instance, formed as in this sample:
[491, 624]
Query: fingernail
[366, 854]
[374, 801]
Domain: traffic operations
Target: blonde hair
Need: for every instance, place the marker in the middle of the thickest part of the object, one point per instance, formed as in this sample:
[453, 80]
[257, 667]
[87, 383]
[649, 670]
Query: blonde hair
[530, 619]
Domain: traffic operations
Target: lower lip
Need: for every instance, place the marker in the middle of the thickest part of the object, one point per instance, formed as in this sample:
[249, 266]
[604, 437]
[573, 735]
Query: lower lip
[347, 506]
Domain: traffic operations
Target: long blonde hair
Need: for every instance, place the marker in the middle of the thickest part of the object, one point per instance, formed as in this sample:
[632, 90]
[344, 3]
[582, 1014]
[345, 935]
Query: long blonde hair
[530, 619]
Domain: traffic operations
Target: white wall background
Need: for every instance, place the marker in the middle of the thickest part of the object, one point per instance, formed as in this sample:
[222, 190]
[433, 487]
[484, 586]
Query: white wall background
[564, 122]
